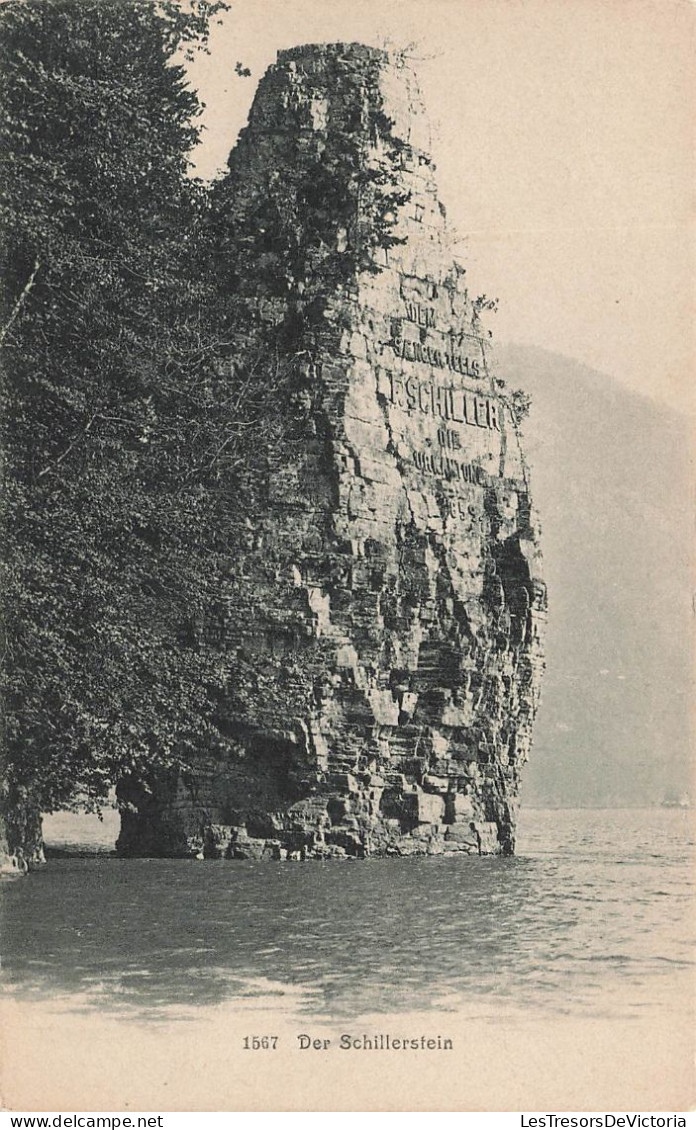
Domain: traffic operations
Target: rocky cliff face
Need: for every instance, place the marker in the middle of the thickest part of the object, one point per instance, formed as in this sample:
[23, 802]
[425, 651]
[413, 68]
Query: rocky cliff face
[385, 638]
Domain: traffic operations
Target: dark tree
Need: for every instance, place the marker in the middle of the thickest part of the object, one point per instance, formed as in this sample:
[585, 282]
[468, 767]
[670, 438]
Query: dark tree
[118, 420]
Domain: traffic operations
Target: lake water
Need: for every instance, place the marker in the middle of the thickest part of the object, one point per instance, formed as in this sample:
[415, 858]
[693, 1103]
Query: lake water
[591, 923]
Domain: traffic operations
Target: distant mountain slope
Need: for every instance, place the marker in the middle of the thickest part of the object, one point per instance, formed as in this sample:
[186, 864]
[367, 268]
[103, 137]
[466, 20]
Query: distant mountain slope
[611, 477]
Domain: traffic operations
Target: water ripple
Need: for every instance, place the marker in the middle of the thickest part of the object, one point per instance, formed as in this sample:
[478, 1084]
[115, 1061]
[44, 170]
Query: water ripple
[569, 925]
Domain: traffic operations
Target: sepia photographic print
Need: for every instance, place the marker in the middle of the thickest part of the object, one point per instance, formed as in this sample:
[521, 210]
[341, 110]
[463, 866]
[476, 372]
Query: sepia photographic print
[347, 525]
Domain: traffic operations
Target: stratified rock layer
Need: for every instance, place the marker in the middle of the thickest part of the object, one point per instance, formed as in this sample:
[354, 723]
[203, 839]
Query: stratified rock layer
[386, 632]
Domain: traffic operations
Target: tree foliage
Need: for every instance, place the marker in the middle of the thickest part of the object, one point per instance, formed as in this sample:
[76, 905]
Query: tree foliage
[138, 403]
[117, 418]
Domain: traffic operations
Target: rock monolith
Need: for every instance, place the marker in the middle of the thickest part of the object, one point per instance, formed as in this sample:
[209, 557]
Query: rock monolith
[386, 633]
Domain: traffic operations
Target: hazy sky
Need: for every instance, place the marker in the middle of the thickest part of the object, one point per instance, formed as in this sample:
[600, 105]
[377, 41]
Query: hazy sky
[563, 134]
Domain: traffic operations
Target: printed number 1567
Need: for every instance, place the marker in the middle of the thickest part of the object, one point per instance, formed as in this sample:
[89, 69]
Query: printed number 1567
[260, 1043]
